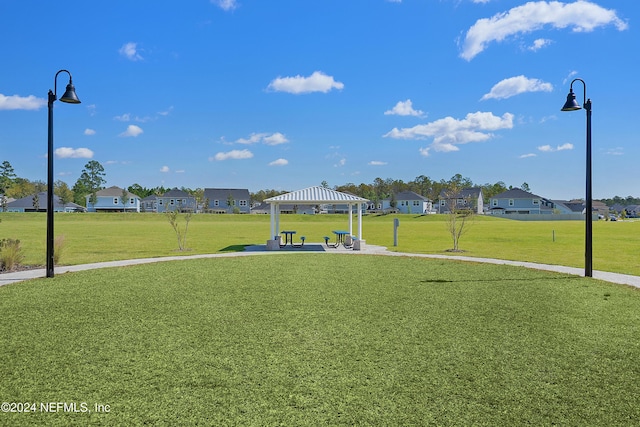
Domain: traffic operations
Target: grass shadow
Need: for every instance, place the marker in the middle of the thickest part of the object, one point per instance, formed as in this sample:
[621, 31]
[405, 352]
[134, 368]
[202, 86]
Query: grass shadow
[235, 248]
[525, 279]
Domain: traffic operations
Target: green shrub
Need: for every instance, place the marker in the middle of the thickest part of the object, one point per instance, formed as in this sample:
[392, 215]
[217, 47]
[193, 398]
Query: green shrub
[10, 253]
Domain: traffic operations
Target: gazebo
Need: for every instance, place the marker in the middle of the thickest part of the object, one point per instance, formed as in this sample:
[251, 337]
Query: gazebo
[316, 196]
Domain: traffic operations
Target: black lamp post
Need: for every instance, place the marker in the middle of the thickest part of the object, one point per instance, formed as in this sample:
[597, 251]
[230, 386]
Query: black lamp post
[71, 98]
[572, 105]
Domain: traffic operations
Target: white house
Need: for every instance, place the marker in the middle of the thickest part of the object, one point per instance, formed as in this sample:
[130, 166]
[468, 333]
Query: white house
[114, 199]
[409, 202]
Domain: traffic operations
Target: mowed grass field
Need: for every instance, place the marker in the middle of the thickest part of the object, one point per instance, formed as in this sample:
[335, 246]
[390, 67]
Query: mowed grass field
[319, 339]
[106, 237]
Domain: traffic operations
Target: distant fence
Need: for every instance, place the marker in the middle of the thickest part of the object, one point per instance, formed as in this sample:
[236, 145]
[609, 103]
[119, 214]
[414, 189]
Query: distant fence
[546, 217]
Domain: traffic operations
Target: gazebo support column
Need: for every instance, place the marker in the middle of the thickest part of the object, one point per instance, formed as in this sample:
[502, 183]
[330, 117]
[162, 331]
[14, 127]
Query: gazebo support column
[273, 221]
[360, 221]
[273, 244]
[359, 243]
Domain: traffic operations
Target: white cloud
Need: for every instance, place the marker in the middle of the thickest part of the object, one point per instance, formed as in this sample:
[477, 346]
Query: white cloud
[316, 82]
[89, 132]
[524, 156]
[232, 155]
[265, 138]
[376, 163]
[617, 151]
[580, 16]
[144, 119]
[73, 153]
[164, 169]
[404, 108]
[279, 162]
[130, 51]
[254, 138]
[539, 44]
[448, 133]
[127, 117]
[549, 149]
[569, 77]
[275, 139]
[424, 151]
[515, 86]
[132, 130]
[225, 4]
[166, 112]
[15, 102]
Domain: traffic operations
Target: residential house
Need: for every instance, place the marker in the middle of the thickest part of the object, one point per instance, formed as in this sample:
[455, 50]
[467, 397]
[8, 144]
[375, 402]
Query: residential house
[517, 201]
[564, 207]
[38, 203]
[617, 209]
[226, 200]
[408, 202]
[111, 200]
[578, 207]
[176, 199]
[4, 201]
[265, 208]
[631, 211]
[340, 208]
[600, 207]
[467, 198]
[149, 204]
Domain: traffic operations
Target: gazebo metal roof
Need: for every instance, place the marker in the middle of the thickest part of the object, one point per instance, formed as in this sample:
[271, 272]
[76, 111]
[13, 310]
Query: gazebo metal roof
[315, 195]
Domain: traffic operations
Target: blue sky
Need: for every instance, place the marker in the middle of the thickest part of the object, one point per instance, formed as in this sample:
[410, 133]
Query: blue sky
[285, 94]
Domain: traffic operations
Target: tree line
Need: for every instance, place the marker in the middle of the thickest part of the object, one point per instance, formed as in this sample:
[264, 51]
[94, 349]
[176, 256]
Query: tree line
[93, 179]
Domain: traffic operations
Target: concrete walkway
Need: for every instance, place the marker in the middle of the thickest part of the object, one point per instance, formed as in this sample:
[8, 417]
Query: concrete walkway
[623, 279]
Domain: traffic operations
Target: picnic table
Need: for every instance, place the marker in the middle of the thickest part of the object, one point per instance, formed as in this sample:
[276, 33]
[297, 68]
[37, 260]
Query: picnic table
[340, 237]
[288, 237]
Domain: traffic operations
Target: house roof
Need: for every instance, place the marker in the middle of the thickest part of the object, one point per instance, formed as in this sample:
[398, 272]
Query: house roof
[27, 202]
[575, 206]
[313, 195]
[465, 193]
[409, 195]
[265, 207]
[114, 191]
[223, 193]
[176, 193]
[516, 193]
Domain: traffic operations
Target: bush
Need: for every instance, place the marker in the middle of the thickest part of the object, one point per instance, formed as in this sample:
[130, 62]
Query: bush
[10, 253]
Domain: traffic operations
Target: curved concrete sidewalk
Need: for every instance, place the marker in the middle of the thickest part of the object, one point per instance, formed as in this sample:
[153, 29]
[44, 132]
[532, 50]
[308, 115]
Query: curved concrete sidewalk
[623, 279]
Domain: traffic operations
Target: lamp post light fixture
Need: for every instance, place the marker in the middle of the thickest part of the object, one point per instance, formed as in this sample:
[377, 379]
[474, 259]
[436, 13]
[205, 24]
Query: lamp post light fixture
[69, 97]
[572, 105]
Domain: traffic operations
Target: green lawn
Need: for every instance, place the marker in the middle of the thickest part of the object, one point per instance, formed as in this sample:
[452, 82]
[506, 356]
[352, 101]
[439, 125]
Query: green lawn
[105, 237]
[322, 339]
